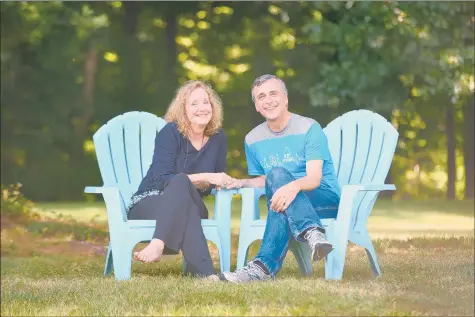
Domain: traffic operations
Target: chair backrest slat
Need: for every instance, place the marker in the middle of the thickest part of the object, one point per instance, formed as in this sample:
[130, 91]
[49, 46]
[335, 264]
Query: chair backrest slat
[362, 145]
[363, 137]
[124, 149]
[348, 146]
[132, 150]
[333, 133]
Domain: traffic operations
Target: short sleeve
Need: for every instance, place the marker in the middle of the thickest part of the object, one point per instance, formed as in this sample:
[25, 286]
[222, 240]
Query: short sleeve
[316, 144]
[254, 168]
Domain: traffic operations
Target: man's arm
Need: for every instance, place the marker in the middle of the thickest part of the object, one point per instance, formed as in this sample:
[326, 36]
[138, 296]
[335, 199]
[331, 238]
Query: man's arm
[285, 195]
[313, 177]
[254, 168]
[251, 182]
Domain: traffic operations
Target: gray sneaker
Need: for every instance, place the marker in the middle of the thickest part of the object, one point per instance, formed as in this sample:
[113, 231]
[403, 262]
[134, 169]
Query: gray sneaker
[251, 272]
[318, 244]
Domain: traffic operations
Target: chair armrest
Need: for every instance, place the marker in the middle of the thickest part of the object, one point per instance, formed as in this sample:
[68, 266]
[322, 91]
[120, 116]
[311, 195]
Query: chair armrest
[371, 187]
[250, 203]
[100, 190]
[257, 191]
[350, 192]
[347, 208]
[115, 209]
[222, 203]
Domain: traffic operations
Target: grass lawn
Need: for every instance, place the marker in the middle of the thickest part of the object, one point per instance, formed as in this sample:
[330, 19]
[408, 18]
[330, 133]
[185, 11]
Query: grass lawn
[425, 251]
[389, 219]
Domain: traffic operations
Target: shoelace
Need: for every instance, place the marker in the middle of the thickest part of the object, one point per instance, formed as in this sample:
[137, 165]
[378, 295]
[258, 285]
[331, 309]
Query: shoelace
[310, 238]
[252, 270]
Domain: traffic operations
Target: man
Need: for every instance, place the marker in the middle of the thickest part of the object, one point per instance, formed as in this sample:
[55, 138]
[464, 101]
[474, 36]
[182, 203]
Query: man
[289, 154]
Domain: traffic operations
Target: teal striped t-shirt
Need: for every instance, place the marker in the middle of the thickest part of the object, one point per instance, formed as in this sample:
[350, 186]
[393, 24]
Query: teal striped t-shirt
[301, 141]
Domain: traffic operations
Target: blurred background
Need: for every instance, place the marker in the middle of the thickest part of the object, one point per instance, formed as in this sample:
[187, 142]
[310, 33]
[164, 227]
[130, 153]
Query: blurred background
[69, 67]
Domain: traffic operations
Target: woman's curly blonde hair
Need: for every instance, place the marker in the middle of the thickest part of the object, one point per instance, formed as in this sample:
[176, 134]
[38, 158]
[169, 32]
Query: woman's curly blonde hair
[176, 111]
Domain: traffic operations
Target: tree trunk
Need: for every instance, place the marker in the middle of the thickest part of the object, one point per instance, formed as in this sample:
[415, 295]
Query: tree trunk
[171, 76]
[450, 132]
[261, 63]
[82, 120]
[90, 69]
[469, 148]
[131, 60]
[171, 46]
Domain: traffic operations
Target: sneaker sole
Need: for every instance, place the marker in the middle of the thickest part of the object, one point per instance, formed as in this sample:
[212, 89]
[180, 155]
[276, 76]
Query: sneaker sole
[224, 278]
[321, 251]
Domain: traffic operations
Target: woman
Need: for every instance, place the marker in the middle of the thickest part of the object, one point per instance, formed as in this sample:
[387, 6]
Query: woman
[189, 159]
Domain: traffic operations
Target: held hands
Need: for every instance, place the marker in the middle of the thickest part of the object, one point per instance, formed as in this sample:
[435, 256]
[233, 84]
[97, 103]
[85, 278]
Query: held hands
[283, 197]
[235, 183]
[221, 180]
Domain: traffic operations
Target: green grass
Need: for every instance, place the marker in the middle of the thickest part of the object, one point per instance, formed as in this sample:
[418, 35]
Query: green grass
[425, 250]
[390, 219]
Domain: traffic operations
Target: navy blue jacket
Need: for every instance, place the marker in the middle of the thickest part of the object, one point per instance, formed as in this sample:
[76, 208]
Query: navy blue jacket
[174, 154]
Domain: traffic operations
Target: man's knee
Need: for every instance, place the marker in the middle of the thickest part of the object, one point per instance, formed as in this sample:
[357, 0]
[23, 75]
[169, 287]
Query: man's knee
[276, 220]
[278, 176]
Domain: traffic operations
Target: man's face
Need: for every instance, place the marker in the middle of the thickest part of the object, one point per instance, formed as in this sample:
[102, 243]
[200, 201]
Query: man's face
[270, 99]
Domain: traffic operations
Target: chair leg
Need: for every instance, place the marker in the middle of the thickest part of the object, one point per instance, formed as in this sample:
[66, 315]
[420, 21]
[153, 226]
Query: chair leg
[122, 262]
[109, 261]
[302, 255]
[373, 260]
[243, 249]
[224, 257]
[363, 239]
[328, 266]
[335, 261]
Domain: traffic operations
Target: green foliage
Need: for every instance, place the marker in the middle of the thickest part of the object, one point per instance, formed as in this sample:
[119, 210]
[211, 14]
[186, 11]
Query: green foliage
[15, 207]
[14, 204]
[68, 67]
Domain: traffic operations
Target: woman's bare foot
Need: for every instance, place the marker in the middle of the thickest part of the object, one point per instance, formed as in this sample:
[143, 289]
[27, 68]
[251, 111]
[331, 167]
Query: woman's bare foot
[152, 252]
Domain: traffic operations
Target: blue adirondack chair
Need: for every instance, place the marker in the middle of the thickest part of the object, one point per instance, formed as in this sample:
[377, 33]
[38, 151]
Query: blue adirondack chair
[124, 149]
[362, 145]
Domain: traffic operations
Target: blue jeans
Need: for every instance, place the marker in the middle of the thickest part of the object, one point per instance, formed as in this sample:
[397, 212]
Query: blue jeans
[302, 214]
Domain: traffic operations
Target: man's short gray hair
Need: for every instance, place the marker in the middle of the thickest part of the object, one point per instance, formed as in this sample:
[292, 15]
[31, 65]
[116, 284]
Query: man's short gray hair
[263, 78]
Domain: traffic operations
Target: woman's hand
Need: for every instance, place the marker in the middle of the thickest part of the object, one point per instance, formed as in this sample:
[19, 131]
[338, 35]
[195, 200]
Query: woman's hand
[221, 180]
[202, 186]
[236, 183]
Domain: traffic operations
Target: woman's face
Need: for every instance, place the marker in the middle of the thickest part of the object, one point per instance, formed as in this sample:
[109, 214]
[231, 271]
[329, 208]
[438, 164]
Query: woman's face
[198, 107]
